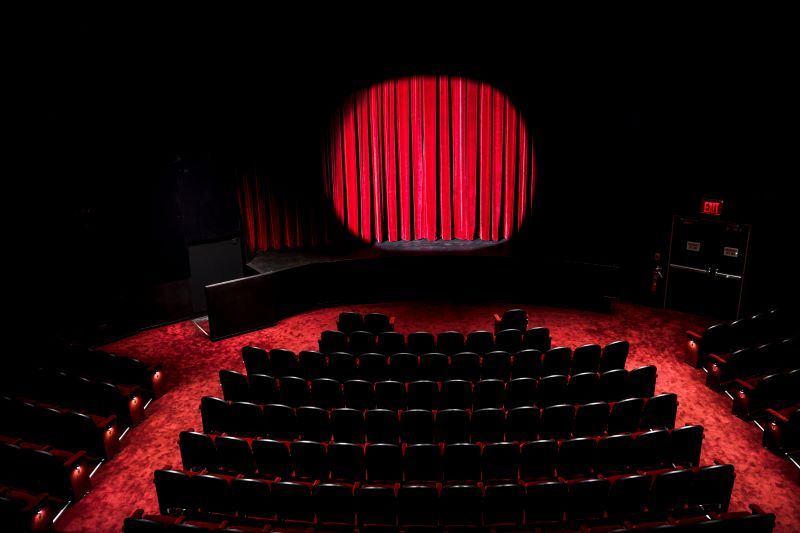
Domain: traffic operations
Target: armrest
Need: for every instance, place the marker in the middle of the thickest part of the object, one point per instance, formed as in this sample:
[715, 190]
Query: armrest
[497, 319]
[104, 422]
[756, 509]
[391, 320]
[777, 416]
[138, 513]
[745, 385]
[694, 335]
[717, 359]
[76, 458]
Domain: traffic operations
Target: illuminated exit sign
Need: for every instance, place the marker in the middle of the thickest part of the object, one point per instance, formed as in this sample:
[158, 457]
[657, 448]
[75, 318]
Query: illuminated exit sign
[711, 207]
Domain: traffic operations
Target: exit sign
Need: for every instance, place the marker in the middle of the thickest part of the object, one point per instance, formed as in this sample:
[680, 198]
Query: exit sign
[711, 207]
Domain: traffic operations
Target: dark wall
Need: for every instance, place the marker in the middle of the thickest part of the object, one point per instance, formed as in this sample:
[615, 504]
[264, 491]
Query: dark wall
[145, 136]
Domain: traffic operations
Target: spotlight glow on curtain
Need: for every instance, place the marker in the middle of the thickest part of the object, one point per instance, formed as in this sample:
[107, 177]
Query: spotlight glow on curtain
[429, 157]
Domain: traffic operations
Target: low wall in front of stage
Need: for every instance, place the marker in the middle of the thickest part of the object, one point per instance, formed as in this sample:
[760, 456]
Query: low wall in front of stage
[253, 302]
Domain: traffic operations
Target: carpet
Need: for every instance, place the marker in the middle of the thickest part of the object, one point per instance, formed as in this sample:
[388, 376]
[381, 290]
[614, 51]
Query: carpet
[192, 361]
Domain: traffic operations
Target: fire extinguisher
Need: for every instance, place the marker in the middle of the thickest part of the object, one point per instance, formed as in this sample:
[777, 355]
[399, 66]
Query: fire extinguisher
[658, 273]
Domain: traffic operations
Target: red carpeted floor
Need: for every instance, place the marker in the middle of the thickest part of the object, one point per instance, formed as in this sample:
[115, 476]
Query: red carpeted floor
[192, 361]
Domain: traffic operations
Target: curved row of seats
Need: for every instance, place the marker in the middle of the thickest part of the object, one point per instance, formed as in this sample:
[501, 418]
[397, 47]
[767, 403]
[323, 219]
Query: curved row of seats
[63, 428]
[23, 510]
[723, 369]
[651, 494]
[746, 332]
[40, 469]
[437, 366]
[532, 460]
[587, 387]
[758, 393]
[418, 425]
[103, 366]
[448, 342]
[756, 521]
[76, 392]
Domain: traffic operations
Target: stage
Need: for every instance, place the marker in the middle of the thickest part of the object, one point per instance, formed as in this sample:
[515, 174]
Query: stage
[274, 261]
[283, 284]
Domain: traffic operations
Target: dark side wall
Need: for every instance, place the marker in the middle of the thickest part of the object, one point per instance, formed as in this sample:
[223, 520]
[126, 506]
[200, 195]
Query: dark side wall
[146, 144]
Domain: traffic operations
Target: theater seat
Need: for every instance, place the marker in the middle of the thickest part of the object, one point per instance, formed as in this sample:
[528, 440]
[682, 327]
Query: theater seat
[461, 505]
[488, 425]
[499, 461]
[538, 460]
[332, 341]
[256, 360]
[251, 498]
[391, 342]
[362, 342]
[556, 361]
[311, 364]
[403, 366]
[466, 366]
[349, 321]
[614, 356]
[527, 364]
[343, 365]
[512, 319]
[326, 393]
[383, 426]
[313, 424]
[457, 394]
[685, 444]
[452, 425]
[503, 505]
[197, 451]
[234, 386]
[334, 504]
[586, 358]
[523, 424]
[434, 366]
[450, 342]
[378, 323]
[462, 462]
[377, 506]
[272, 458]
[423, 463]
[282, 362]
[537, 339]
[347, 425]
[417, 506]
[359, 394]
[545, 503]
[479, 342]
[508, 340]
[384, 463]
[421, 342]
[234, 455]
[293, 502]
[373, 367]
[174, 491]
[496, 365]
[346, 461]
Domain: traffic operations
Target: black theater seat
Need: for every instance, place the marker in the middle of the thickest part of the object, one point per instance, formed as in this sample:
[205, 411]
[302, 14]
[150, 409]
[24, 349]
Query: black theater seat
[373, 366]
[347, 425]
[556, 361]
[421, 342]
[332, 341]
[384, 462]
[349, 321]
[235, 387]
[311, 364]
[450, 342]
[586, 358]
[537, 339]
[434, 366]
[313, 423]
[359, 394]
[391, 342]
[423, 463]
[326, 393]
[614, 356]
[362, 342]
[466, 366]
[378, 323]
[508, 340]
[527, 364]
[479, 342]
[283, 362]
[512, 319]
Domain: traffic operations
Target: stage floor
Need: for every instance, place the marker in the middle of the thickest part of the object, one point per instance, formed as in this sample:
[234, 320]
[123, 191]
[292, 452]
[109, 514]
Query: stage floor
[274, 261]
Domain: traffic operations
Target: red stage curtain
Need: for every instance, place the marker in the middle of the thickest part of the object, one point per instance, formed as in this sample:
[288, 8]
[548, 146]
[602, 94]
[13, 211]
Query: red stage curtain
[429, 157]
[426, 157]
